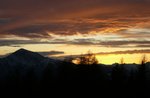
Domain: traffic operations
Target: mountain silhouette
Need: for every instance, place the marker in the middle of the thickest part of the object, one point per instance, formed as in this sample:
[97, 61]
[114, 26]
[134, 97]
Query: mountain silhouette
[25, 56]
[24, 52]
[24, 60]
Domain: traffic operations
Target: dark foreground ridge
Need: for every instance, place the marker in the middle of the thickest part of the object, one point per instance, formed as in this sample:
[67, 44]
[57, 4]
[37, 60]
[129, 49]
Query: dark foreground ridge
[28, 73]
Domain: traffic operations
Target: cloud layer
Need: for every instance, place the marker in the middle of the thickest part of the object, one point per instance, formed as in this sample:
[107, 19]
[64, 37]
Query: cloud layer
[51, 53]
[103, 23]
[126, 52]
[36, 18]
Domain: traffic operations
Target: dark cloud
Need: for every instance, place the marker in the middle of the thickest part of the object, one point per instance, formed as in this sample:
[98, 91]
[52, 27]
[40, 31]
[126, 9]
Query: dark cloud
[109, 43]
[26, 14]
[125, 44]
[17, 43]
[4, 21]
[143, 46]
[83, 42]
[74, 26]
[126, 52]
[113, 43]
[58, 28]
[51, 53]
[44, 18]
[120, 44]
[135, 33]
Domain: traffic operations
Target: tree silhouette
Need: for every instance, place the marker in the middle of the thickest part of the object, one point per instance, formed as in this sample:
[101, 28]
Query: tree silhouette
[142, 69]
[144, 60]
[88, 59]
[142, 76]
[122, 60]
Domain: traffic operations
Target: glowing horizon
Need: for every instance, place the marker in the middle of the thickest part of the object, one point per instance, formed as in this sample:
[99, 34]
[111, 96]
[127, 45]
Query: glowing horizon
[116, 58]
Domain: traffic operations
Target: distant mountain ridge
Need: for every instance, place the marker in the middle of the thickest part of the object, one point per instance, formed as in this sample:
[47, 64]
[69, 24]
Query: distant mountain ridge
[25, 56]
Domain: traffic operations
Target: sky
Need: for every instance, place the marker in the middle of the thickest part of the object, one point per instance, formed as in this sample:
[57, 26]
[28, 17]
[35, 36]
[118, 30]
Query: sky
[71, 27]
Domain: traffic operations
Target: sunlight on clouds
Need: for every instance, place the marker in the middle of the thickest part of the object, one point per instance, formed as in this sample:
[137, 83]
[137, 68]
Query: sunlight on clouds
[138, 30]
[111, 30]
[13, 37]
[94, 36]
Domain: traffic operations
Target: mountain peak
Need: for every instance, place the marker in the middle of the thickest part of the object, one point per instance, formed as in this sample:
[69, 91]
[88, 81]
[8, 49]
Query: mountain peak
[23, 54]
[22, 50]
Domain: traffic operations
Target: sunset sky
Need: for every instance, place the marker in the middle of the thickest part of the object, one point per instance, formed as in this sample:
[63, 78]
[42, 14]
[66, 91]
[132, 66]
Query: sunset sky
[110, 28]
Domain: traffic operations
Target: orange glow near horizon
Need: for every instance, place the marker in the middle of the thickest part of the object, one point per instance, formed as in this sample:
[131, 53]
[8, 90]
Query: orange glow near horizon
[116, 58]
[74, 50]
